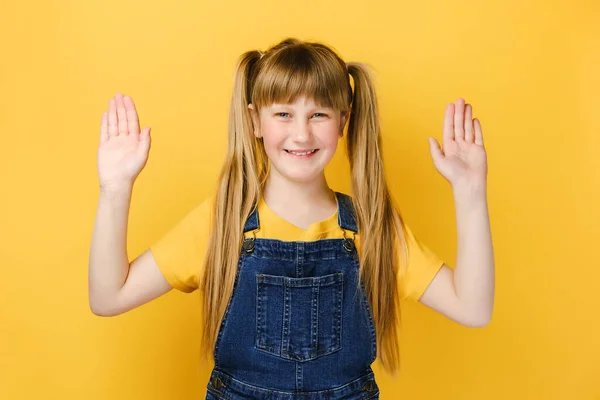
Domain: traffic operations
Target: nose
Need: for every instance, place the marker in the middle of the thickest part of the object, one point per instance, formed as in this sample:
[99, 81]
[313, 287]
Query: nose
[300, 131]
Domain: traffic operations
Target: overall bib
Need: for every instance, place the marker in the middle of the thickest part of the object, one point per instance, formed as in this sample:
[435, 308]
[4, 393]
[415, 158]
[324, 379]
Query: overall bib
[297, 326]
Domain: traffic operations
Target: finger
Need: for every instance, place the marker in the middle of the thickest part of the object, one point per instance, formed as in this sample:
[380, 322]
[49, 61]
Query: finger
[478, 132]
[448, 134]
[133, 123]
[459, 118]
[436, 151]
[112, 118]
[121, 115]
[104, 128]
[469, 123]
[145, 141]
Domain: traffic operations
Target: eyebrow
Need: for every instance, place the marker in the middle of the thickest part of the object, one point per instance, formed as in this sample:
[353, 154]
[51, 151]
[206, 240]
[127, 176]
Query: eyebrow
[289, 105]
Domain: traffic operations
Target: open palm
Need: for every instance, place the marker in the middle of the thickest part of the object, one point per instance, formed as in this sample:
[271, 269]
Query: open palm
[123, 150]
[463, 158]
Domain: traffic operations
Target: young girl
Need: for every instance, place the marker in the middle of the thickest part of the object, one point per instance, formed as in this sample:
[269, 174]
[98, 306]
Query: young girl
[300, 284]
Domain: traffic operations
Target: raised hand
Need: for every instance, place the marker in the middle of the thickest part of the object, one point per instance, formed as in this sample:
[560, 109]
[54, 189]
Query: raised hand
[463, 159]
[123, 150]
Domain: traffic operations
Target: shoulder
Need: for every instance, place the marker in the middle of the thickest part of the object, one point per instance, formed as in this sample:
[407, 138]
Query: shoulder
[179, 252]
[195, 223]
[418, 264]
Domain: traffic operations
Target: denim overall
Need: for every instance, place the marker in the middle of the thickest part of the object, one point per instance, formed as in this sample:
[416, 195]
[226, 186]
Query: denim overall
[297, 326]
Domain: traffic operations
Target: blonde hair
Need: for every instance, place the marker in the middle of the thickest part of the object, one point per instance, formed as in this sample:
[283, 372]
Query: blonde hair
[290, 69]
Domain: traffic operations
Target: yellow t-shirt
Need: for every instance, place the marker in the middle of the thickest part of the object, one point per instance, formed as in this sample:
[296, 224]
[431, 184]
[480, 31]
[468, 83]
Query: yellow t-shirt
[180, 252]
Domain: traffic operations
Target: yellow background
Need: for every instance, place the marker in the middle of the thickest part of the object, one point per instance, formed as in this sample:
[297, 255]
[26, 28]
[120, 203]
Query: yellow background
[530, 69]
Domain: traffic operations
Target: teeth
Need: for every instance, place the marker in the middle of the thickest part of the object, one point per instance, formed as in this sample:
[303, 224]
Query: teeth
[301, 154]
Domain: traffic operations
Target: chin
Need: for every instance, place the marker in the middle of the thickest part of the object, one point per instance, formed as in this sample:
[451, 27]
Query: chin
[299, 176]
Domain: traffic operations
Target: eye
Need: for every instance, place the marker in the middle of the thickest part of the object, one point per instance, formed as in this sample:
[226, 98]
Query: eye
[324, 115]
[279, 114]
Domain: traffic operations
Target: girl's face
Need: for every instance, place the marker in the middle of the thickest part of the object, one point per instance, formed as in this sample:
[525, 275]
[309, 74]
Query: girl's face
[299, 138]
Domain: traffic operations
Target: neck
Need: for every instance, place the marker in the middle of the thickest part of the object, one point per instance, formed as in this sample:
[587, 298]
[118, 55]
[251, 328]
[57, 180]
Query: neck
[281, 192]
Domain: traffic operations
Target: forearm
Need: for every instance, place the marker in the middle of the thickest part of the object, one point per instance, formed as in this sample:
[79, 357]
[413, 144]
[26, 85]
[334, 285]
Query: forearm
[108, 260]
[474, 271]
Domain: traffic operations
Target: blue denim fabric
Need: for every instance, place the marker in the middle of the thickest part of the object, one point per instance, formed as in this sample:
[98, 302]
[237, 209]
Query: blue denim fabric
[298, 325]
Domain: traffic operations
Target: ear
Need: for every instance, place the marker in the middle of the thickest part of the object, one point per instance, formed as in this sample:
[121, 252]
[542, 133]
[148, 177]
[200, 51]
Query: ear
[255, 120]
[344, 118]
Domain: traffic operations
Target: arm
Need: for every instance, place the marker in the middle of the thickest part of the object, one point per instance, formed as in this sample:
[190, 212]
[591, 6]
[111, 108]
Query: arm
[116, 286]
[465, 295]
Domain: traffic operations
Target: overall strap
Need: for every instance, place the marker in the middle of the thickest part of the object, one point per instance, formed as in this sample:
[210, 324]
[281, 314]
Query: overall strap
[252, 222]
[346, 212]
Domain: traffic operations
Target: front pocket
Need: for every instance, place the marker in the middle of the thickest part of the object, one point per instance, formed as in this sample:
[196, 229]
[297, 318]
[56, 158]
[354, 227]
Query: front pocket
[299, 318]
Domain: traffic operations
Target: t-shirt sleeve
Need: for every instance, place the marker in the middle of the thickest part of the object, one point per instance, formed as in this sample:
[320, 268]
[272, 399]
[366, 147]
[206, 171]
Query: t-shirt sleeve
[418, 269]
[180, 252]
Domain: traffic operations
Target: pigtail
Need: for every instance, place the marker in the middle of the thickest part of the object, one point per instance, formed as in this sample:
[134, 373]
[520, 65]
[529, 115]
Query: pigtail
[238, 191]
[378, 219]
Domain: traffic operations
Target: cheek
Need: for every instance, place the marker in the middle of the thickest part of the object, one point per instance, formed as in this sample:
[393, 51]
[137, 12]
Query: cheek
[271, 135]
[330, 137]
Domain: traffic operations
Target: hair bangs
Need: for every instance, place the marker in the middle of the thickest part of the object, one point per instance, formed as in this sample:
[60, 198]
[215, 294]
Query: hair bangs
[299, 71]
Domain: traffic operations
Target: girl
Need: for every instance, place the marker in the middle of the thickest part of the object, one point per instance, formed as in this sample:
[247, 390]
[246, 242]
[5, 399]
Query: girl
[300, 284]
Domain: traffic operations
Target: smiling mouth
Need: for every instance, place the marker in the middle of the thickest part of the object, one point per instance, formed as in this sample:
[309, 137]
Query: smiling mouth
[301, 152]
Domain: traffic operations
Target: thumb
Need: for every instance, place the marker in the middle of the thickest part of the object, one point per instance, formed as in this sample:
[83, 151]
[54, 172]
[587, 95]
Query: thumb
[145, 140]
[434, 148]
